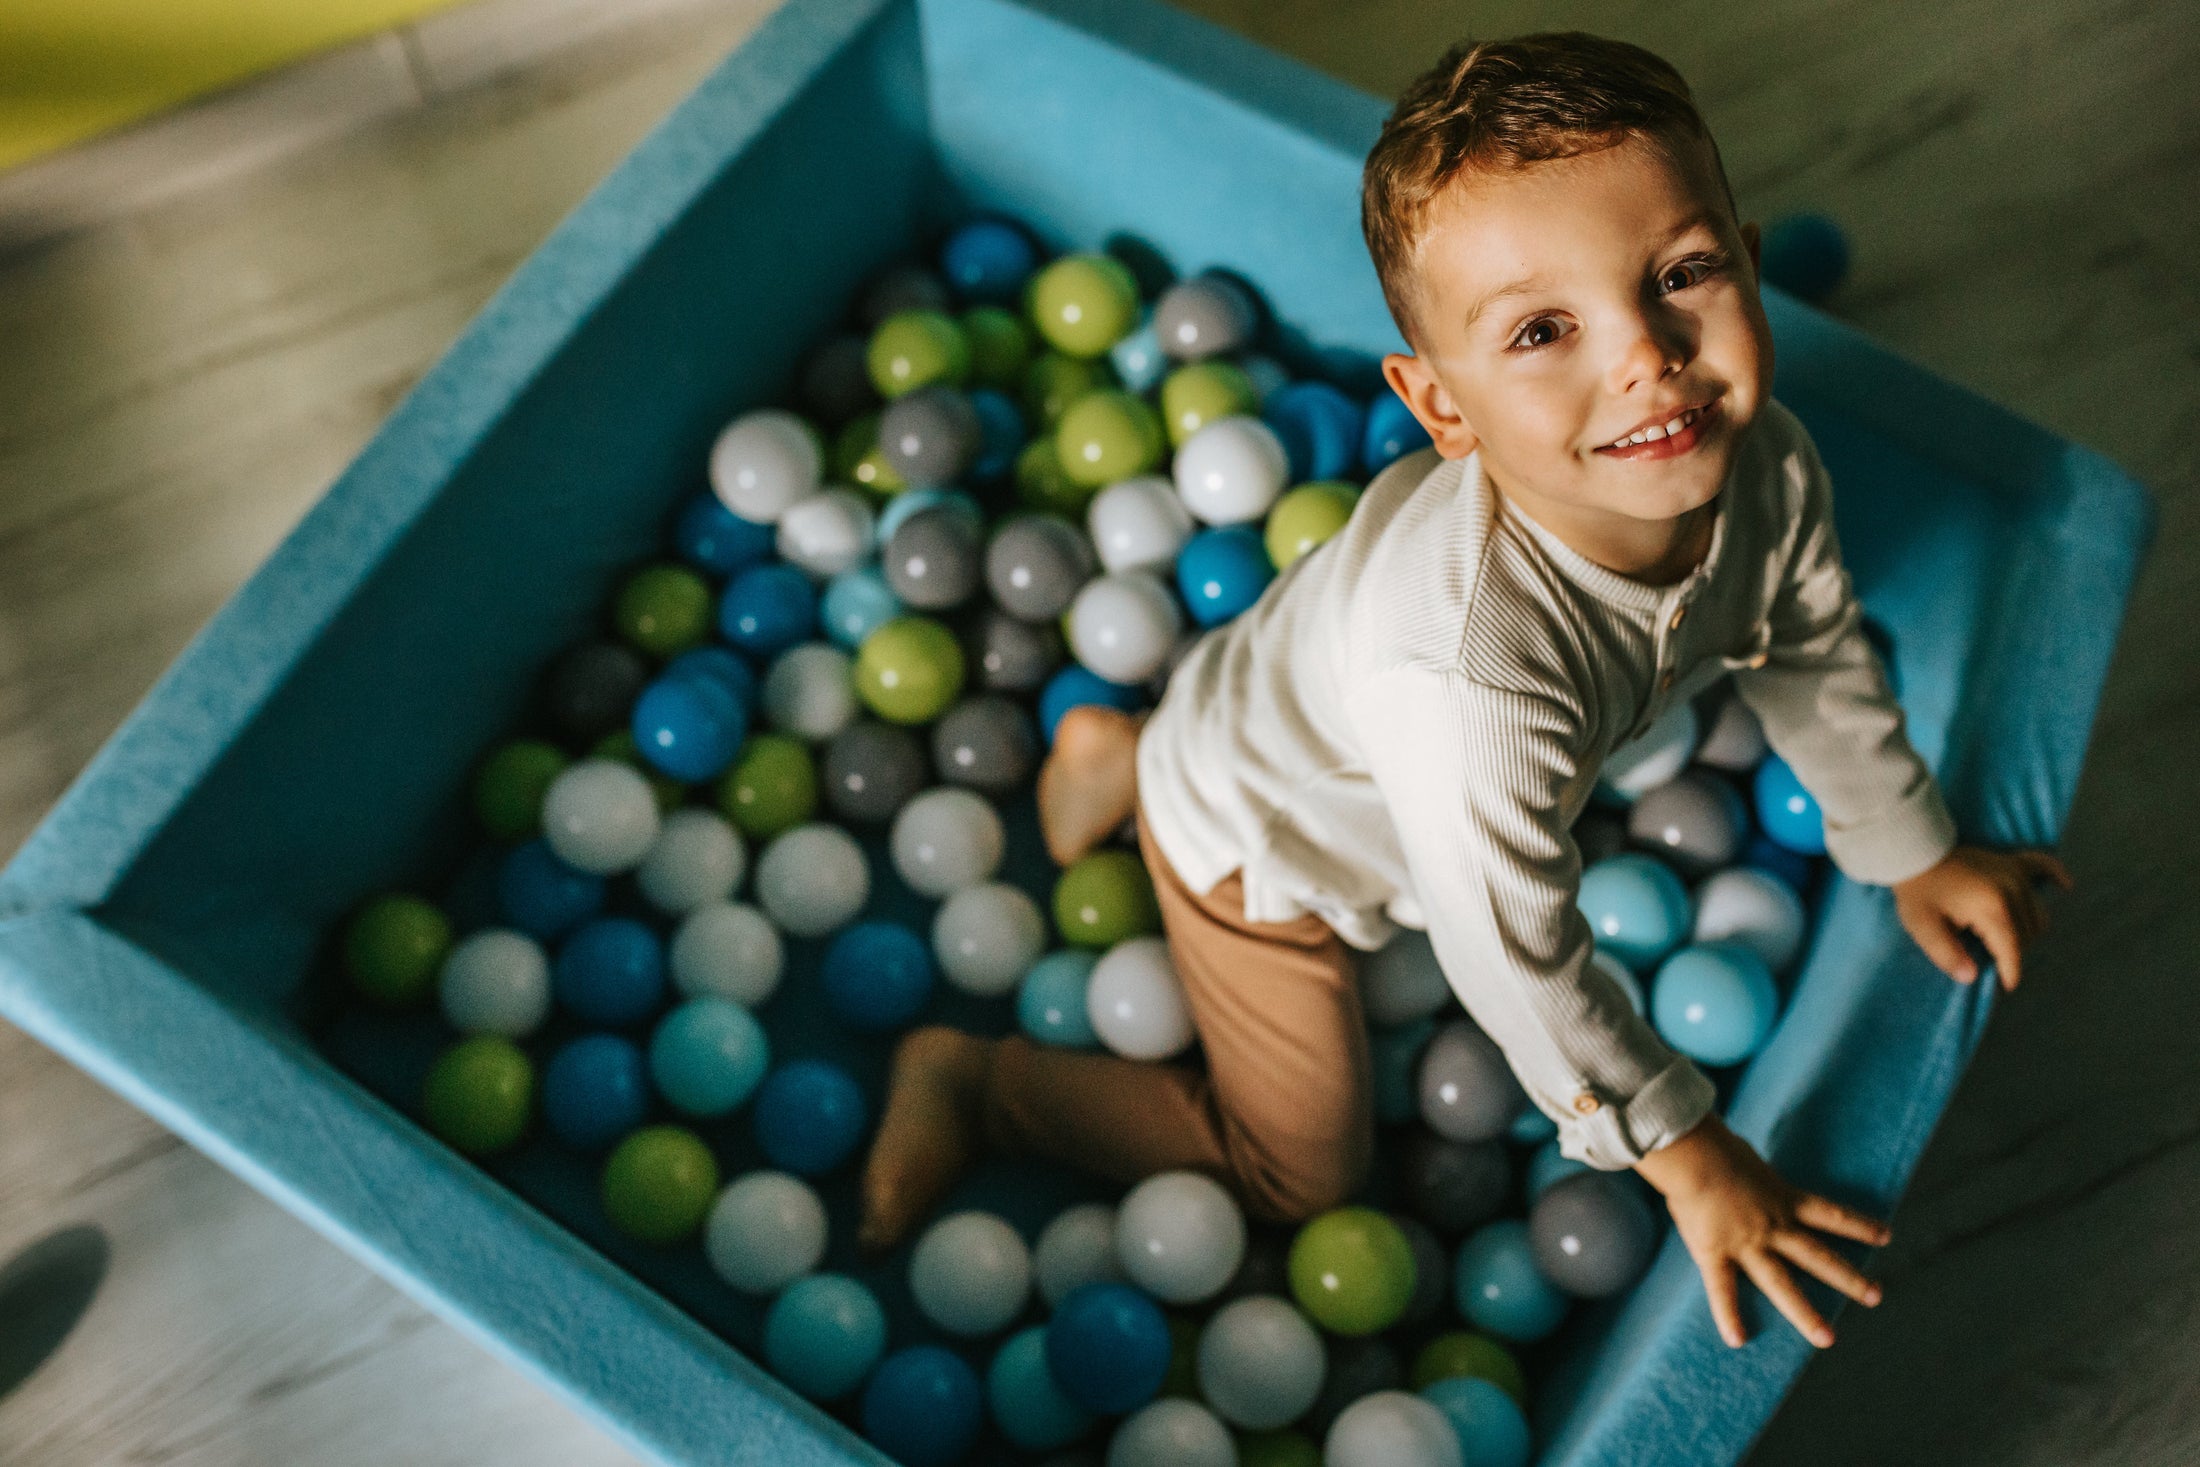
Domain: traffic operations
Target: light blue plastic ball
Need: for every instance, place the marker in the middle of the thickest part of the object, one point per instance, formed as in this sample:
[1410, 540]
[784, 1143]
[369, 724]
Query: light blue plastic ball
[1050, 1006]
[1786, 811]
[1498, 1287]
[909, 501]
[1320, 427]
[1394, 1054]
[1221, 572]
[857, 603]
[1392, 433]
[1636, 907]
[1138, 359]
[1028, 1406]
[707, 1056]
[824, 1334]
[1714, 1002]
[1531, 1127]
[1492, 1430]
[1549, 1165]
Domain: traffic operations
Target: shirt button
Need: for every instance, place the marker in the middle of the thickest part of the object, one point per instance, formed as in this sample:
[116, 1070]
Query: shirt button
[1665, 682]
[1586, 1103]
[1680, 614]
[1759, 659]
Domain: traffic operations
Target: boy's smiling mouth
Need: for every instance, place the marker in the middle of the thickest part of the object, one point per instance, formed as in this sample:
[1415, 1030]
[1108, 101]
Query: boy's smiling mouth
[1694, 423]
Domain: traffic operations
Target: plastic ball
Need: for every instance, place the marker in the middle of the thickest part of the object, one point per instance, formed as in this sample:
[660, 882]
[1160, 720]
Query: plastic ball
[1231, 471]
[813, 879]
[1714, 1002]
[988, 743]
[1352, 1270]
[1756, 909]
[1083, 303]
[1106, 435]
[1077, 685]
[1172, 1432]
[610, 971]
[986, 937]
[1320, 429]
[933, 560]
[1002, 435]
[1204, 316]
[909, 503]
[923, 1406]
[1468, 1090]
[590, 689]
[1076, 1248]
[824, 1335]
[1636, 907]
[1306, 518]
[1608, 963]
[1454, 1186]
[1492, 1429]
[1550, 1166]
[1028, 1407]
[766, 1230]
[1260, 1362]
[1138, 524]
[1592, 1234]
[1463, 1353]
[727, 950]
[827, 532]
[1123, 625]
[856, 603]
[1010, 655]
[713, 538]
[871, 770]
[1431, 1270]
[834, 380]
[1105, 897]
[595, 1090]
[1694, 820]
[496, 982]
[946, 839]
[1806, 255]
[1499, 1289]
[1653, 756]
[1179, 1236]
[697, 858]
[1392, 433]
[1222, 573]
[1402, 981]
[1034, 565]
[810, 1116]
[988, 260]
[1357, 1367]
[1392, 1429]
[878, 976]
[541, 895]
[970, 1273]
[909, 670]
[1108, 1347]
[929, 436]
[663, 609]
[1733, 738]
[1137, 359]
[479, 1095]
[915, 348]
[658, 1185]
[395, 945]
[1796, 869]
[768, 608]
[510, 785]
[763, 461]
[1195, 395]
[771, 788]
[687, 727]
[810, 692]
[600, 816]
[1787, 811]
[707, 1056]
[1135, 1002]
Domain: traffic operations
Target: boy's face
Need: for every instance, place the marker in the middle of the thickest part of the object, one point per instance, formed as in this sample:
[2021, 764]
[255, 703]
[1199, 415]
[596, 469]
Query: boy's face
[1643, 302]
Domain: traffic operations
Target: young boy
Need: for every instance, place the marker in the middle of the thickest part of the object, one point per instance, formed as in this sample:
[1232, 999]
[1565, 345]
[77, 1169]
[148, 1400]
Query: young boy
[1613, 514]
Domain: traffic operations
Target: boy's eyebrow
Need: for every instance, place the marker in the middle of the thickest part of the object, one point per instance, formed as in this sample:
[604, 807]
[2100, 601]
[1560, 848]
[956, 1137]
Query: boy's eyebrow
[1533, 283]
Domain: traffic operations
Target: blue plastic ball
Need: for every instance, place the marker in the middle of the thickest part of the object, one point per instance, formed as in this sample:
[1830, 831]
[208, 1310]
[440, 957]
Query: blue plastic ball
[1321, 428]
[1806, 255]
[857, 603]
[1108, 1347]
[1077, 684]
[723, 666]
[1714, 1002]
[768, 608]
[1492, 1430]
[544, 897]
[1028, 1407]
[1549, 1165]
[1790, 866]
[1050, 1006]
[688, 727]
[1531, 1127]
[824, 1334]
[1636, 906]
[1498, 1287]
[810, 1117]
[1392, 433]
[595, 1090]
[987, 261]
[923, 1406]
[1222, 571]
[1002, 434]
[610, 971]
[878, 976]
[707, 1056]
[713, 538]
[1394, 1058]
[1786, 810]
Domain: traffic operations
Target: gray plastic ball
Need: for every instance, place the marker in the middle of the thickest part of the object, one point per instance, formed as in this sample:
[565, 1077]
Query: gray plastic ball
[835, 384]
[1454, 1186]
[1431, 1271]
[1592, 1234]
[1598, 834]
[989, 743]
[1694, 820]
[872, 769]
[590, 689]
[1036, 564]
[901, 287]
[929, 436]
[1468, 1092]
[1357, 1367]
[1012, 656]
[1203, 317]
[931, 560]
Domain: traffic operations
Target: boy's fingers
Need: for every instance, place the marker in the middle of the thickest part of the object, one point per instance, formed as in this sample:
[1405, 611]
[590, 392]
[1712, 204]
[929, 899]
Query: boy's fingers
[1726, 1302]
[1827, 1264]
[1938, 938]
[2040, 863]
[1829, 1216]
[1992, 927]
[1771, 1275]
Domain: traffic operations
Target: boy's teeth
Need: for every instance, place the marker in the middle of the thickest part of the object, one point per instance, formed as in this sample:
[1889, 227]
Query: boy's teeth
[1663, 430]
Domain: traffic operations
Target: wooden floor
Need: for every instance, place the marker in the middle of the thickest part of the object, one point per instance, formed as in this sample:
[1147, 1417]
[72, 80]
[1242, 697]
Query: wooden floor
[205, 342]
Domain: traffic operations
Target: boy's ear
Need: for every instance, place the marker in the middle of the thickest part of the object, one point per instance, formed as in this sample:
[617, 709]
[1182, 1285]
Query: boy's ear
[1430, 402]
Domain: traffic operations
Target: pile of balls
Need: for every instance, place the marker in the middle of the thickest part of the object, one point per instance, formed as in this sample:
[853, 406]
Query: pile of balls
[1011, 484]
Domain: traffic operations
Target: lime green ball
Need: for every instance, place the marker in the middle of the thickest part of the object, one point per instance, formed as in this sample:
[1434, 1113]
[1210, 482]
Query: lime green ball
[909, 669]
[1305, 517]
[659, 1184]
[479, 1094]
[1108, 435]
[1083, 303]
[509, 788]
[1105, 897]
[1000, 347]
[913, 349]
[771, 787]
[1042, 483]
[857, 437]
[1053, 381]
[394, 948]
[1280, 1447]
[857, 459]
[1197, 393]
[663, 609]
[619, 744]
[1463, 1352]
[1352, 1271]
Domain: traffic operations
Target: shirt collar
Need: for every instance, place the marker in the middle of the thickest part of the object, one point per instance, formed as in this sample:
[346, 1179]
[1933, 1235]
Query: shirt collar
[1609, 585]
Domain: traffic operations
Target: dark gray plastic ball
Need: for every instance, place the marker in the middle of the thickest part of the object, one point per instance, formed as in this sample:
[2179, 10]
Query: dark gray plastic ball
[1204, 316]
[1468, 1092]
[589, 691]
[901, 287]
[1592, 1234]
[1358, 1366]
[931, 560]
[1454, 1186]
[835, 384]
[1036, 564]
[1431, 1271]
[989, 743]
[929, 436]
[1012, 656]
[1694, 820]
[872, 769]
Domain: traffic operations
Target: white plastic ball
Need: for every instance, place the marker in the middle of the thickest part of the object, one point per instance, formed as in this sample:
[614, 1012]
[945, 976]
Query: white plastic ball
[727, 950]
[1124, 625]
[810, 691]
[1654, 756]
[763, 462]
[1260, 1362]
[970, 1273]
[496, 982]
[1392, 1429]
[1607, 962]
[1402, 981]
[1138, 524]
[766, 1230]
[1172, 1432]
[1180, 1236]
[987, 936]
[945, 839]
[600, 816]
[1230, 472]
[828, 532]
[1076, 1248]
[1735, 740]
[812, 879]
[1754, 908]
[1135, 1002]
[698, 857]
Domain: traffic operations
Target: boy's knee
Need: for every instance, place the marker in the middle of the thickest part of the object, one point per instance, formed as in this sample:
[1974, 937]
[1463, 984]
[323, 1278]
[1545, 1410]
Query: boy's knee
[1305, 1181]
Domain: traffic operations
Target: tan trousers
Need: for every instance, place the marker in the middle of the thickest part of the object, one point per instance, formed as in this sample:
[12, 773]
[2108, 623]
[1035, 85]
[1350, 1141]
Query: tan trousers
[1283, 1112]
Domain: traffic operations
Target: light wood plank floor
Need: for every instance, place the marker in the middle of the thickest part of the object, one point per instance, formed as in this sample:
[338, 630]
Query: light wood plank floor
[179, 379]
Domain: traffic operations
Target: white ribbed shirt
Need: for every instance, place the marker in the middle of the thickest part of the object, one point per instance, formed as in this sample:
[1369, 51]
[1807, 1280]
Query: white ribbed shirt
[1401, 731]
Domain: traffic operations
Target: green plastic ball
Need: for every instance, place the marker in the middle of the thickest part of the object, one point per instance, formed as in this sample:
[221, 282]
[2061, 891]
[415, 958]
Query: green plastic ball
[1103, 898]
[909, 669]
[1000, 347]
[509, 788]
[1352, 1271]
[1042, 484]
[1053, 381]
[913, 349]
[1280, 1447]
[1083, 303]
[659, 1184]
[479, 1094]
[772, 787]
[1197, 393]
[1108, 435]
[1306, 516]
[394, 948]
[663, 610]
[857, 459]
[1463, 1352]
[619, 744]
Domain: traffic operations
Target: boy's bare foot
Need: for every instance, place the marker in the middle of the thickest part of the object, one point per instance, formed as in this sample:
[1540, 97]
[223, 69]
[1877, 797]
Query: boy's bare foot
[1088, 785]
[929, 1133]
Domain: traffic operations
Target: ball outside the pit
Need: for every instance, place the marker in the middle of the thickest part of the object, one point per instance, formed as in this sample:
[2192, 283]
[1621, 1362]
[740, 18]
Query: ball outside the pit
[970, 1273]
[763, 461]
[600, 816]
[496, 981]
[813, 879]
[1139, 524]
[1231, 471]
[658, 1185]
[727, 950]
[909, 670]
[707, 1057]
[1260, 1362]
[945, 839]
[1352, 1270]
[986, 936]
[479, 1095]
[1135, 1001]
[871, 770]
[698, 857]
[1105, 897]
[766, 1230]
[394, 947]
[1179, 1236]
[1592, 1234]
[1468, 1090]
[1035, 564]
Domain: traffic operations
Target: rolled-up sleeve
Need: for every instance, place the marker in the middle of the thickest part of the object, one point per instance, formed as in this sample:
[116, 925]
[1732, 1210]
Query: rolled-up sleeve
[1822, 695]
[1473, 777]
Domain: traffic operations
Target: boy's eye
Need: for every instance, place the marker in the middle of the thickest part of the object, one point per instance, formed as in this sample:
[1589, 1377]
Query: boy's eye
[1706, 265]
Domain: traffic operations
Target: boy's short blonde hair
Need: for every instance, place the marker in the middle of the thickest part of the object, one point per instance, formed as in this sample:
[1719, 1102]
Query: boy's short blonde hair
[1490, 106]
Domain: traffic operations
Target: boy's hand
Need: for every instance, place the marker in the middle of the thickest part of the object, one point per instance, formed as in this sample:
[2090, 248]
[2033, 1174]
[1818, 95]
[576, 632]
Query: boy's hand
[1730, 1207]
[1988, 893]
